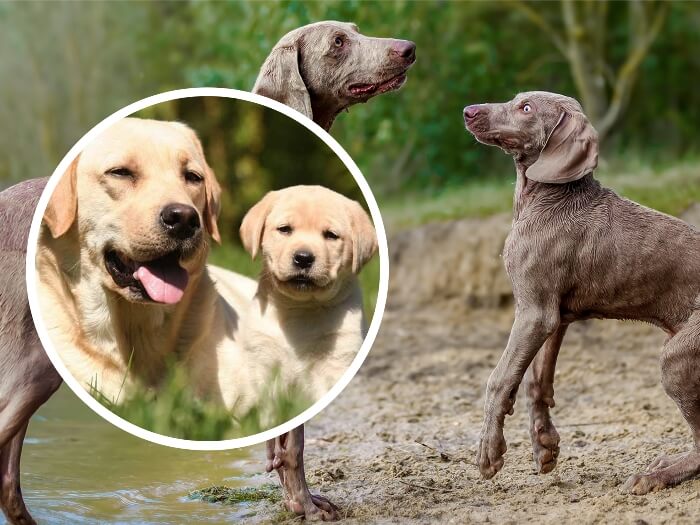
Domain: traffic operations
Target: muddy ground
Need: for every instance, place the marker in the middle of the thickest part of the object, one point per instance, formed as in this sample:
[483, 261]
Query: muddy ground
[398, 445]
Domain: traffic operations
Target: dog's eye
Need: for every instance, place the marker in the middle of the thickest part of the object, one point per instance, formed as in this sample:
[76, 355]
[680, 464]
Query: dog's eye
[285, 229]
[193, 176]
[527, 108]
[338, 41]
[121, 172]
[330, 235]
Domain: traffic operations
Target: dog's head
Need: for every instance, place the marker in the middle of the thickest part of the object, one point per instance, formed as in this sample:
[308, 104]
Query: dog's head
[144, 204]
[335, 64]
[545, 132]
[311, 238]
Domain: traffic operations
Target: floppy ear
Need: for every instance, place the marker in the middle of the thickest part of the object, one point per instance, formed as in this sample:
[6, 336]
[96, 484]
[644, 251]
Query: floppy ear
[253, 223]
[212, 189]
[63, 205]
[364, 236]
[570, 153]
[213, 204]
[280, 79]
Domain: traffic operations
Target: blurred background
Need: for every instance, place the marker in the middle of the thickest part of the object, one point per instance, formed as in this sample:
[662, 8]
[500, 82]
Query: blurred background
[64, 66]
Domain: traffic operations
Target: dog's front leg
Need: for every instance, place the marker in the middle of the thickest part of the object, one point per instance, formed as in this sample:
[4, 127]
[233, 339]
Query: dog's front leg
[532, 326]
[285, 454]
[539, 385]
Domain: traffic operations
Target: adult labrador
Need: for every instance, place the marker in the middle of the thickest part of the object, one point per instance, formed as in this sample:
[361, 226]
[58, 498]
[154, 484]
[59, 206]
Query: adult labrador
[121, 261]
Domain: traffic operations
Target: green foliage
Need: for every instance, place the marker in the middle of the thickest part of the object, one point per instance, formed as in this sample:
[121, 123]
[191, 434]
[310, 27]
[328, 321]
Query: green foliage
[667, 187]
[73, 61]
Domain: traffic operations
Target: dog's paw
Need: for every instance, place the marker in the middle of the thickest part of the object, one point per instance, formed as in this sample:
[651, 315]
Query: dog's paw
[313, 508]
[664, 472]
[492, 447]
[545, 444]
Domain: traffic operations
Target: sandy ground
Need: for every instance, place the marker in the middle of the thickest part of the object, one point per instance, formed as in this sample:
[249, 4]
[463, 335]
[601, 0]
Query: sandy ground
[398, 444]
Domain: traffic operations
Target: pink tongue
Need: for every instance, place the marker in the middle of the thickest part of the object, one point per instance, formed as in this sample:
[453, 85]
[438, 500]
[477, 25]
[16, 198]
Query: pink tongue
[163, 284]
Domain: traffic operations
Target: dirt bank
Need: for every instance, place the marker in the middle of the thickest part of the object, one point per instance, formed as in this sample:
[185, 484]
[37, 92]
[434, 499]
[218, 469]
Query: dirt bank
[398, 444]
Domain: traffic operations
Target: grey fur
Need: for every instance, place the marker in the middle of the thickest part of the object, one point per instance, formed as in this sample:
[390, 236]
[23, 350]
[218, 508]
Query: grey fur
[578, 251]
[307, 71]
[27, 377]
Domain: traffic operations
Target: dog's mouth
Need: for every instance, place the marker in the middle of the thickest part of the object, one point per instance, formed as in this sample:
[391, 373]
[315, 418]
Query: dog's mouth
[368, 90]
[302, 283]
[161, 280]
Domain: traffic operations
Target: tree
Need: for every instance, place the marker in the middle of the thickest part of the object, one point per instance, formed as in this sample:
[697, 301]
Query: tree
[604, 89]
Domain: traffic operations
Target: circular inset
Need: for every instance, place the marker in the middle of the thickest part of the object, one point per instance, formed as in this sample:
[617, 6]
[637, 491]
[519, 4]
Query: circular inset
[129, 228]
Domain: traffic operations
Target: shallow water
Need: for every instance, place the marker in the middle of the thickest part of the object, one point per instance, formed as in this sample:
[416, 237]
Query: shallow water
[77, 468]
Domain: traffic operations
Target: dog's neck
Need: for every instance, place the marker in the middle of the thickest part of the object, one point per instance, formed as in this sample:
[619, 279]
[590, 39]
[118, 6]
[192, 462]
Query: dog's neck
[325, 110]
[530, 193]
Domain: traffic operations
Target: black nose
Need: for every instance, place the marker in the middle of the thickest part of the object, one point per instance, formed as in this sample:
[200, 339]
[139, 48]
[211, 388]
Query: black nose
[180, 220]
[303, 260]
[471, 111]
[405, 49]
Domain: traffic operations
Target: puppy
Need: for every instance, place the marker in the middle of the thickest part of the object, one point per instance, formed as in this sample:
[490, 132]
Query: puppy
[305, 322]
[121, 260]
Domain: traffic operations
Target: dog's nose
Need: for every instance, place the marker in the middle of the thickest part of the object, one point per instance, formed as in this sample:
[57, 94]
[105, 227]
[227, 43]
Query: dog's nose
[471, 112]
[303, 260]
[180, 220]
[404, 49]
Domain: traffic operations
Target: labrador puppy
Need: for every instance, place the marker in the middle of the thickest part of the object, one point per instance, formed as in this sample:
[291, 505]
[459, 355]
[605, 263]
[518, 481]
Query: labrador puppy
[306, 319]
[324, 68]
[121, 260]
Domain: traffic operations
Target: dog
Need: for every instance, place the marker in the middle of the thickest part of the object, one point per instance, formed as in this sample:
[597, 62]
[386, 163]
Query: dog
[324, 68]
[27, 377]
[320, 70]
[313, 242]
[121, 261]
[579, 251]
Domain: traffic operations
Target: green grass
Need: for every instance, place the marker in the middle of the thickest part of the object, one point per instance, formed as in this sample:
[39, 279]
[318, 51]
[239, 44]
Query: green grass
[236, 496]
[173, 410]
[667, 188]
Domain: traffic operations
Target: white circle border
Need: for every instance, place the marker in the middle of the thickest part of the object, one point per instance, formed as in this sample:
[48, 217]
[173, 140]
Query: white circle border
[227, 444]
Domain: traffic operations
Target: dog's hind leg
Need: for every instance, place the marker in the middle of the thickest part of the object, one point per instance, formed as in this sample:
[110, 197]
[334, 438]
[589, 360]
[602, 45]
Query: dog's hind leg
[539, 385]
[680, 374]
[10, 492]
[285, 454]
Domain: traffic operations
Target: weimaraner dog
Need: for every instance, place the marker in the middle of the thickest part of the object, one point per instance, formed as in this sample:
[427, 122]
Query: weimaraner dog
[320, 70]
[579, 251]
[27, 378]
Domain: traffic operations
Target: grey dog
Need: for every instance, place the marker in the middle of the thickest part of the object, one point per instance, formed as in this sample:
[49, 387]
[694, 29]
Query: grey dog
[579, 251]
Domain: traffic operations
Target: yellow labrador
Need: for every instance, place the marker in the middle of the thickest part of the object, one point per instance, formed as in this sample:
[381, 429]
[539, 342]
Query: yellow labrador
[122, 257]
[306, 320]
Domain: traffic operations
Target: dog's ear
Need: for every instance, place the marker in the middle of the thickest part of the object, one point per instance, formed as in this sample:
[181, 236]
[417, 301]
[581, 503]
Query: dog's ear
[62, 209]
[570, 153]
[212, 189]
[213, 203]
[364, 236]
[280, 79]
[253, 224]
